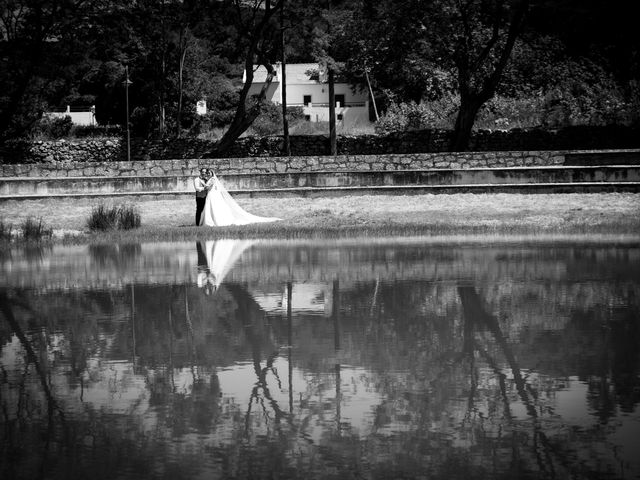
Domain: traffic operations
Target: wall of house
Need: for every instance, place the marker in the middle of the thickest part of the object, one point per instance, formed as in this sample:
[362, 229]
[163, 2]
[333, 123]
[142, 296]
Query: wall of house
[79, 116]
[354, 112]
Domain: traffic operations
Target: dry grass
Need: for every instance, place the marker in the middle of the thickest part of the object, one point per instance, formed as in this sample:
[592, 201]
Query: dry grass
[383, 215]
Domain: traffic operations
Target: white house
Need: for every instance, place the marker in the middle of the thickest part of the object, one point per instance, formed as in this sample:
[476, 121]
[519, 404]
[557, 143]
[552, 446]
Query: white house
[304, 90]
[79, 115]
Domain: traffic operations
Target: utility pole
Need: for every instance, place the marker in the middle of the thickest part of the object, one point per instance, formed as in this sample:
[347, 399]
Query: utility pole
[332, 114]
[283, 87]
[127, 82]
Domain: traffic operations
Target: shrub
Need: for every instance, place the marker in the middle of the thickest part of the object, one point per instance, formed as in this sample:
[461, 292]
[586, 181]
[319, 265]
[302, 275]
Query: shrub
[82, 131]
[403, 117]
[102, 218]
[269, 122]
[123, 217]
[35, 229]
[504, 113]
[128, 217]
[53, 127]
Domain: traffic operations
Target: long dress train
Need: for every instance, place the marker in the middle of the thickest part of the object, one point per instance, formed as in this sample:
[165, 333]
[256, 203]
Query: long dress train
[221, 209]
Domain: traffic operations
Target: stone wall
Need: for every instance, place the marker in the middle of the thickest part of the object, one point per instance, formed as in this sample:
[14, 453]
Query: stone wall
[424, 141]
[412, 161]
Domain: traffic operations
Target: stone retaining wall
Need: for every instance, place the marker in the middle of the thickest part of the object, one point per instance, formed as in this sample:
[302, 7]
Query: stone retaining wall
[223, 166]
[114, 149]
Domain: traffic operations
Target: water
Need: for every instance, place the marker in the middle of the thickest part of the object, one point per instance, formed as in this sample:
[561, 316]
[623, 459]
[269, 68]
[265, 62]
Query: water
[394, 359]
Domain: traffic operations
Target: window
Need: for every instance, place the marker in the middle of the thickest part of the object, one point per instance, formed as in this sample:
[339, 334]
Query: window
[340, 100]
[306, 100]
[307, 118]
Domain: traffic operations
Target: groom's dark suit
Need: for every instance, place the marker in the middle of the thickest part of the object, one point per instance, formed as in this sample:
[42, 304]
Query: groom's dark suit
[199, 184]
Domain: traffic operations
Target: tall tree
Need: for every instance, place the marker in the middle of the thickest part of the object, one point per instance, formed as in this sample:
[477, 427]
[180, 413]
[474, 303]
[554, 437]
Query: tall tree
[485, 33]
[259, 35]
[412, 46]
[36, 42]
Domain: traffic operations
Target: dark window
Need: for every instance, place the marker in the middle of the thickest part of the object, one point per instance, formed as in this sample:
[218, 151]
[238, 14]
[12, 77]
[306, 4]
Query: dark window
[340, 100]
[307, 118]
[306, 100]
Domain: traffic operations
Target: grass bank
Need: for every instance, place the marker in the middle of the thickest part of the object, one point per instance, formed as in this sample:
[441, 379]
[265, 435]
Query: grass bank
[166, 219]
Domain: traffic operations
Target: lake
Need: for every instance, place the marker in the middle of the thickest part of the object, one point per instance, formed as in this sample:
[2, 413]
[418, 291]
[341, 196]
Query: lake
[408, 358]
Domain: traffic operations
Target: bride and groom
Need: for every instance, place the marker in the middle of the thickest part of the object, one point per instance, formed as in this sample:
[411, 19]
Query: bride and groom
[216, 208]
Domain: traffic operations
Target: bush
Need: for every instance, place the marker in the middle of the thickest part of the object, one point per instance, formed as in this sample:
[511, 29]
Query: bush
[269, 122]
[403, 117]
[53, 127]
[128, 217]
[122, 217]
[82, 131]
[35, 229]
[505, 113]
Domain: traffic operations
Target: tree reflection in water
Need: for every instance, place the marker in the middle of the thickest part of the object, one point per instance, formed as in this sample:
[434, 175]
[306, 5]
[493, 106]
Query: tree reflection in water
[397, 379]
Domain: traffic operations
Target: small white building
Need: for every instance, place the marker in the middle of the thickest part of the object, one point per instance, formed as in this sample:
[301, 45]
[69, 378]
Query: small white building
[78, 115]
[308, 89]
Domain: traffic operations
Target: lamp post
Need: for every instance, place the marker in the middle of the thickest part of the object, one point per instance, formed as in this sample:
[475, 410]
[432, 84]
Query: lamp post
[126, 83]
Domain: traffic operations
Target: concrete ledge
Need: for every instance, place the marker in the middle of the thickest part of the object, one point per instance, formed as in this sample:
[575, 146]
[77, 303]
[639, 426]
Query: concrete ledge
[583, 187]
[326, 180]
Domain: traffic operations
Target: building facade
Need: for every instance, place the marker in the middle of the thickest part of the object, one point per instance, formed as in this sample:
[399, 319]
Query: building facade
[307, 88]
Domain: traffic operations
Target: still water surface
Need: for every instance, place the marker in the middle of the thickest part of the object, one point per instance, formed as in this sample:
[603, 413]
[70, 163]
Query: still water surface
[248, 359]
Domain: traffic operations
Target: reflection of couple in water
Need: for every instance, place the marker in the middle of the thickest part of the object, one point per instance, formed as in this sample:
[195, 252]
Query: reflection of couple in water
[215, 259]
[216, 208]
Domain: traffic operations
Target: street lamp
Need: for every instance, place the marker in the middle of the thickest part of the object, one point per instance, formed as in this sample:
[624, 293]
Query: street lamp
[126, 84]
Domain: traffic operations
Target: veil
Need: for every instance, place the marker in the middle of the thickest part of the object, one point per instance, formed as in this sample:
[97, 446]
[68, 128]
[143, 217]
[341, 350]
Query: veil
[221, 209]
[219, 258]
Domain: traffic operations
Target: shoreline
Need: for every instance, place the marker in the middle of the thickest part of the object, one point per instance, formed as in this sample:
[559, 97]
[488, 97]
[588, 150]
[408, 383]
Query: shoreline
[325, 218]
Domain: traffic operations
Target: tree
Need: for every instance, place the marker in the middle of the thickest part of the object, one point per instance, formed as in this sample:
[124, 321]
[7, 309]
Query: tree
[406, 45]
[36, 42]
[259, 35]
[485, 35]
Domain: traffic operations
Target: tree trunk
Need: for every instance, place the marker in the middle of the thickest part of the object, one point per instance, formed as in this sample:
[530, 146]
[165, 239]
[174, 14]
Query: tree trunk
[467, 114]
[471, 67]
[373, 99]
[332, 115]
[180, 89]
[243, 118]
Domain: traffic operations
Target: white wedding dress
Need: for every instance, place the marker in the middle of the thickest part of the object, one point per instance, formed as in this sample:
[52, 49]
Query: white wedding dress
[220, 209]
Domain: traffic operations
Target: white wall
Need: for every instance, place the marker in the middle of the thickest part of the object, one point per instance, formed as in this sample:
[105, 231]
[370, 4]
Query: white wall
[355, 110]
[83, 116]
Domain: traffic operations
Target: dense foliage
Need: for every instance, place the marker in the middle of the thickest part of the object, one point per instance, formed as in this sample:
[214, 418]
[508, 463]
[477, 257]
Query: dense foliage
[489, 63]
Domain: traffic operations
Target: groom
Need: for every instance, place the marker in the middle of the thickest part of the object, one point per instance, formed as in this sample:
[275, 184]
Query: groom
[200, 184]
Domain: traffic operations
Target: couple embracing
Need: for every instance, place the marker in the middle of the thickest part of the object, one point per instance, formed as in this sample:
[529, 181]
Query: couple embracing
[216, 208]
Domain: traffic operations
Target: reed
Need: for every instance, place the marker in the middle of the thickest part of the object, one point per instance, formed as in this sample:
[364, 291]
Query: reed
[117, 217]
[128, 217]
[5, 231]
[34, 229]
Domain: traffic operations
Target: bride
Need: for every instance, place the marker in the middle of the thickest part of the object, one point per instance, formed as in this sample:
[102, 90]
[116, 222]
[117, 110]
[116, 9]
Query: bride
[221, 209]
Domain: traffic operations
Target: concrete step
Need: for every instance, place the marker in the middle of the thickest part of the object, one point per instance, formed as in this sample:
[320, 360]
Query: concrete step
[440, 180]
[582, 187]
[602, 157]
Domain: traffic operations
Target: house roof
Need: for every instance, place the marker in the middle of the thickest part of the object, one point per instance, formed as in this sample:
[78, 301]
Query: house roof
[297, 73]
